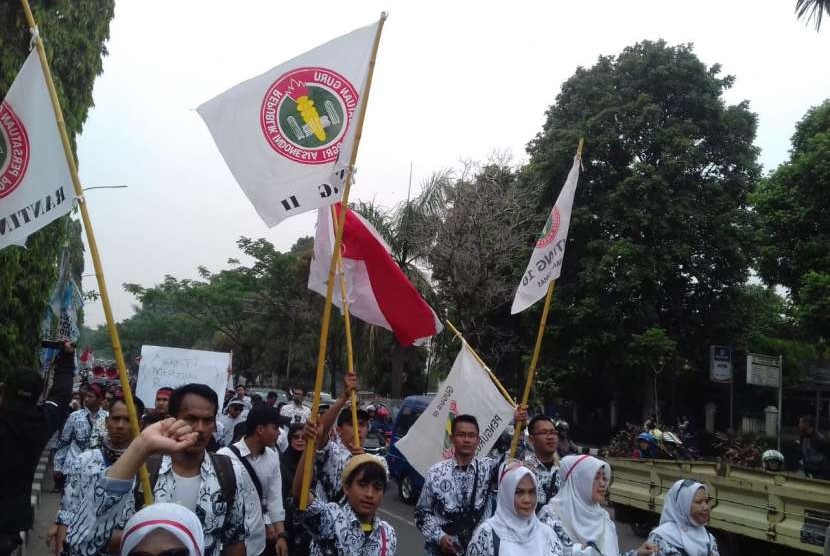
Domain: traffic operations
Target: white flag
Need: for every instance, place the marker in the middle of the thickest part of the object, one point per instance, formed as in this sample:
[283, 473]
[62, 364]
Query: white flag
[468, 389]
[287, 135]
[546, 261]
[35, 185]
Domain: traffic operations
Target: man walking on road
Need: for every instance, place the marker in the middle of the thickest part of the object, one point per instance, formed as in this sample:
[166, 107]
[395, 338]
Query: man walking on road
[256, 460]
[206, 484]
[84, 430]
[543, 460]
[295, 410]
[90, 465]
[456, 492]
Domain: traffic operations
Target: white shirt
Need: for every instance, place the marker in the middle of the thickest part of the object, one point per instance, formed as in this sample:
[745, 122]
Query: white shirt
[229, 423]
[186, 491]
[267, 468]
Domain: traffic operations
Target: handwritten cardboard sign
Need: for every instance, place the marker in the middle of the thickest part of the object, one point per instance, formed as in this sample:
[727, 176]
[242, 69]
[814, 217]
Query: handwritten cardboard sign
[172, 367]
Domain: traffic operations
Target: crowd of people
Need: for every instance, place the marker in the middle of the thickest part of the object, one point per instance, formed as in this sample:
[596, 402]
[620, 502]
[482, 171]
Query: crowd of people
[226, 478]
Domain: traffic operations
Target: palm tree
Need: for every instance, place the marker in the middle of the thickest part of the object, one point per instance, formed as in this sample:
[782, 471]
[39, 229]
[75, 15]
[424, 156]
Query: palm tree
[813, 10]
[410, 230]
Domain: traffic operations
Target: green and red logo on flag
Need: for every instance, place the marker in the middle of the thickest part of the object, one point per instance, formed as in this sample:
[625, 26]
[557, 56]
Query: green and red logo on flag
[551, 228]
[306, 112]
[14, 150]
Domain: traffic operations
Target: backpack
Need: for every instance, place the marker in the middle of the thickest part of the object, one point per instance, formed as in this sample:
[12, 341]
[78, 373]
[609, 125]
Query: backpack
[221, 464]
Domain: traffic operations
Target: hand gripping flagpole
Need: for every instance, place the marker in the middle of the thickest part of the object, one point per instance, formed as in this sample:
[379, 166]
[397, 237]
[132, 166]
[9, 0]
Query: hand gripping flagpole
[90, 235]
[348, 324]
[534, 360]
[310, 448]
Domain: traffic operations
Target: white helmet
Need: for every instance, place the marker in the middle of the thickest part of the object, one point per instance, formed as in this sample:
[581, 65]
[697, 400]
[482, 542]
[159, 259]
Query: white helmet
[772, 455]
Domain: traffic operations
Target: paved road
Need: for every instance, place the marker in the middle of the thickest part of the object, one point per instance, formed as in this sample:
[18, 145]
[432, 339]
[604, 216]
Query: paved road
[393, 510]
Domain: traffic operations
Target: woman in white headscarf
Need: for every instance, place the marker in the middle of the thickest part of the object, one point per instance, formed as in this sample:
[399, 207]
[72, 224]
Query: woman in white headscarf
[514, 530]
[682, 528]
[575, 513]
[163, 529]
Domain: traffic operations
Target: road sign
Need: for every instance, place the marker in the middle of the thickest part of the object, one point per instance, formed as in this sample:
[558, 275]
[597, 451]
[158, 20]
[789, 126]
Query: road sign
[763, 370]
[720, 364]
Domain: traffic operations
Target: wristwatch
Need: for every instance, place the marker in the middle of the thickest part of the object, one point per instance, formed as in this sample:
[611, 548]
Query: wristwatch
[282, 535]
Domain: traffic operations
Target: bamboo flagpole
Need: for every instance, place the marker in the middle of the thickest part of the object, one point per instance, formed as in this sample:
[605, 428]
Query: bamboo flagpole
[347, 322]
[534, 360]
[481, 362]
[90, 235]
[338, 237]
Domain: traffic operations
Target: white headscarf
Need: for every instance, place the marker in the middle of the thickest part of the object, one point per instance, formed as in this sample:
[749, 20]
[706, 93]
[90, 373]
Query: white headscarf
[174, 518]
[676, 524]
[584, 520]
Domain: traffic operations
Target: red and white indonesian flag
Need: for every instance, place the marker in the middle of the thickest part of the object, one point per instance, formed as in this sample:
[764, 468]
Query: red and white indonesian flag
[35, 184]
[378, 291]
[546, 261]
[468, 389]
[287, 135]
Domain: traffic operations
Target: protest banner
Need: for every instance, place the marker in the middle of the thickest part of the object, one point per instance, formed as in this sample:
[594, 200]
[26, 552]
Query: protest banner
[172, 367]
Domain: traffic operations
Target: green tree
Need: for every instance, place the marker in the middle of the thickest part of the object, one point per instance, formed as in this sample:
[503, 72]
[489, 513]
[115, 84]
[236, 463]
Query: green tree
[793, 221]
[660, 232]
[75, 32]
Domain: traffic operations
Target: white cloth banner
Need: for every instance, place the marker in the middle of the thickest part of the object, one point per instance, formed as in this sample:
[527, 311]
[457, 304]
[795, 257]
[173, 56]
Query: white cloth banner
[171, 367]
[467, 389]
[35, 185]
[287, 135]
[546, 261]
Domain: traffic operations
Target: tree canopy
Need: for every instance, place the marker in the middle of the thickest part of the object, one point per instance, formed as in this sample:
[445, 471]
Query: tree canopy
[74, 32]
[660, 235]
[793, 222]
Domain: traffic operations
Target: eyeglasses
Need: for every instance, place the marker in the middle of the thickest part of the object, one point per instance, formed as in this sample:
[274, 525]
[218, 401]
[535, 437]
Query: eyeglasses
[168, 552]
[551, 432]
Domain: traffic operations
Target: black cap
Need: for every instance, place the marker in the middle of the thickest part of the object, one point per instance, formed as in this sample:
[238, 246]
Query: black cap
[345, 416]
[24, 384]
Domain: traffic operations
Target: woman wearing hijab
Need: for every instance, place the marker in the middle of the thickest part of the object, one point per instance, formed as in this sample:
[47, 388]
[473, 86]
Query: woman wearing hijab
[514, 530]
[163, 529]
[299, 540]
[682, 530]
[575, 514]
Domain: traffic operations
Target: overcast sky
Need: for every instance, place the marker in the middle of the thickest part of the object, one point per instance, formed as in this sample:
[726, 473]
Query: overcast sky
[454, 80]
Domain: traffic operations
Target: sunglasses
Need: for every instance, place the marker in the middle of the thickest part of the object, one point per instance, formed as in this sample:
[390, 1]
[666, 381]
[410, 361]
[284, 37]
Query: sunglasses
[169, 552]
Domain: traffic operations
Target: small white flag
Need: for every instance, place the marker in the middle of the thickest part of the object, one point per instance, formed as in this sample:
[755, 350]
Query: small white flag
[468, 389]
[35, 184]
[287, 135]
[546, 261]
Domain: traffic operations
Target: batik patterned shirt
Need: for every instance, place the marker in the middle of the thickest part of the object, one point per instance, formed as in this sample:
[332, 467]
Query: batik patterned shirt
[483, 543]
[548, 479]
[111, 502]
[82, 431]
[337, 530]
[81, 477]
[571, 548]
[447, 493]
[330, 462]
[664, 548]
[297, 413]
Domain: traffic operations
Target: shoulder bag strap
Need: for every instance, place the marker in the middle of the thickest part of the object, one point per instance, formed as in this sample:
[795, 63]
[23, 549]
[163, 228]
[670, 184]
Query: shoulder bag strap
[250, 469]
[226, 476]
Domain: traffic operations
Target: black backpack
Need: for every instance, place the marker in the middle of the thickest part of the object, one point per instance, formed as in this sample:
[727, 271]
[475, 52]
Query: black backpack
[224, 474]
